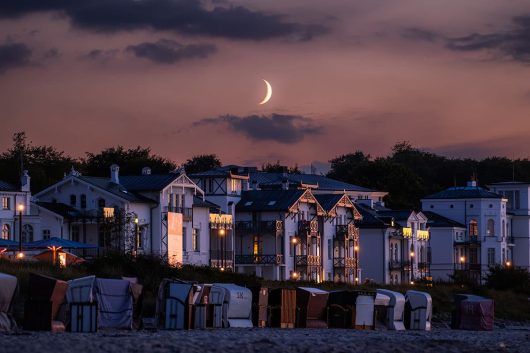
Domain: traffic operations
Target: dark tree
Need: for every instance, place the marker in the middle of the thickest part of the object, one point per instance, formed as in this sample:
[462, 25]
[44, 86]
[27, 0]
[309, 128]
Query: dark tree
[278, 168]
[131, 162]
[201, 163]
[45, 164]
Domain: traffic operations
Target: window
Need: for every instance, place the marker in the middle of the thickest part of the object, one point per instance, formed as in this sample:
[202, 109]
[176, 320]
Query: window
[503, 228]
[491, 256]
[516, 200]
[451, 206]
[184, 239]
[73, 200]
[471, 206]
[329, 249]
[233, 185]
[6, 203]
[6, 231]
[256, 246]
[473, 228]
[27, 233]
[83, 201]
[101, 203]
[503, 255]
[75, 233]
[291, 246]
[195, 240]
[491, 228]
[46, 234]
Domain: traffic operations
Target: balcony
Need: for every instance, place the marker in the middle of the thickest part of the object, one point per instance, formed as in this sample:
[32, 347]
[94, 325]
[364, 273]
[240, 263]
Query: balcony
[187, 212]
[259, 227]
[307, 227]
[422, 234]
[468, 240]
[395, 265]
[344, 262]
[259, 259]
[424, 266]
[221, 259]
[307, 260]
[346, 231]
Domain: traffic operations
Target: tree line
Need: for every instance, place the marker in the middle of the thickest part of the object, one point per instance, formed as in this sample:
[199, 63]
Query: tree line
[407, 173]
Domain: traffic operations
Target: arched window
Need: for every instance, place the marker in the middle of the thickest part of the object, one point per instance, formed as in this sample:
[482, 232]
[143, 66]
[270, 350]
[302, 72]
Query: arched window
[6, 231]
[473, 228]
[101, 203]
[73, 200]
[491, 228]
[83, 201]
[27, 233]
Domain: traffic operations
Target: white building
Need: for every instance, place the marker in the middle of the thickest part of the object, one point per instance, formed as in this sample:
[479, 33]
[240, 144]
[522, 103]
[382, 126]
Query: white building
[398, 244]
[517, 195]
[485, 242]
[152, 214]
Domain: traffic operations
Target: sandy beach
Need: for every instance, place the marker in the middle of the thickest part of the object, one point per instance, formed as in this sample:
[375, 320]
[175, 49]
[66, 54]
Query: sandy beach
[510, 339]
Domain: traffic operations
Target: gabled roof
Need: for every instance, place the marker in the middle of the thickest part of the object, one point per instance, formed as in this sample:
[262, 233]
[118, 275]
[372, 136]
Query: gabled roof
[328, 201]
[464, 192]
[116, 189]
[61, 209]
[438, 221]
[147, 182]
[268, 200]
[5, 186]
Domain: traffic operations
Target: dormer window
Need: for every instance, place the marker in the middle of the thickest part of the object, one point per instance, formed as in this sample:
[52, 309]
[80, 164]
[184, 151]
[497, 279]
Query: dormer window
[83, 201]
[73, 200]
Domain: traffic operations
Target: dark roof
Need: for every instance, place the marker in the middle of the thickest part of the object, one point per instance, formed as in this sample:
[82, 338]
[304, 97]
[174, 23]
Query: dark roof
[5, 186]
[510, 183]
[199, 202]
[398, 215]
[370, 219]
[438, 221]
[328, 201]
[268, 200]
[323, 183]
[147, 182]
[116, 189]
[464, 192]
[224, 171]
[61, 209]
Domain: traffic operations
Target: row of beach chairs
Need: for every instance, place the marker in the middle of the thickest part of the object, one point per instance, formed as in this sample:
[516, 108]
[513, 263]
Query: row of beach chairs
[89, 303]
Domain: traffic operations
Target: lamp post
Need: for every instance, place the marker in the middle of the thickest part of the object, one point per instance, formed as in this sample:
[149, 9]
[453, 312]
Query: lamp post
[462, 262]
[356, 254]
[136, 237]
[295, 242]
[411, 264]
[20, 254]
[222, 237]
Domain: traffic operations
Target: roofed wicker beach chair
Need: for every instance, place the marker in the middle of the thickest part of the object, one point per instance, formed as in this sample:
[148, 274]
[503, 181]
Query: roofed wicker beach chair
[8, 289]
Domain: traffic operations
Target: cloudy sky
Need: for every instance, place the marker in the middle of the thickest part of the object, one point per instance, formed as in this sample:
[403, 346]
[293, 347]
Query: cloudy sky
[184, 76]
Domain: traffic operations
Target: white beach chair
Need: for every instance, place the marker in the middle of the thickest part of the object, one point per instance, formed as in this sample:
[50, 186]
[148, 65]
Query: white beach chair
[237, 306]
[395, 309]
[8, 288]
[418, 309]
[115, 300]
[83, 306]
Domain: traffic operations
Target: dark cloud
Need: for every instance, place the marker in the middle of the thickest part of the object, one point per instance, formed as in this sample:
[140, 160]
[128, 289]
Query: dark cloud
[101, 55]
[183, 16]
[168, 51]
[514, 43]
[420, 34]
[285, 129]
[14, 55]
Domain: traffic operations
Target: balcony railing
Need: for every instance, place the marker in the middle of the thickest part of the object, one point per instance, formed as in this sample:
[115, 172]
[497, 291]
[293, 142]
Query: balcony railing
[395, 265]
[422, 234]
[346, 231]
[259, 259]
[423, 266]
[468, 267]
[187, 212]
[259, 227]
[468, 240]
[307, 227]
[348, 262]
[307, 260]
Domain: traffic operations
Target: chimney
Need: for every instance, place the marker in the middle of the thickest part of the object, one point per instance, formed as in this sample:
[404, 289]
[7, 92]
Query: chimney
[115, 174]
[146, 171]
[25, 182]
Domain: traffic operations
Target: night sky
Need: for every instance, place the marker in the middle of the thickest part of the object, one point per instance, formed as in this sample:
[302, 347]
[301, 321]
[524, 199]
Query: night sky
[185, 77]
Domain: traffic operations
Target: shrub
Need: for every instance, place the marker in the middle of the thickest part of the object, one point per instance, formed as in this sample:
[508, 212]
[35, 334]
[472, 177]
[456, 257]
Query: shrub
[509, 278]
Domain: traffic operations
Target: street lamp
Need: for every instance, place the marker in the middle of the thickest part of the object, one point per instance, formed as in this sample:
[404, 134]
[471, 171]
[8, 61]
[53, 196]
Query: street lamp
[462, 260]
[295, 242]
[356, 253]
[136, 238]
[508, 263]
[411, 264]
[20, 254]
[222, 233]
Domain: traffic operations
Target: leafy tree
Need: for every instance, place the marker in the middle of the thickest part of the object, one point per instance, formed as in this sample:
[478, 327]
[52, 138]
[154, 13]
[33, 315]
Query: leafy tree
[131, 161]
[509, 278]
[45, 164]
[278, 168]
[201, 163]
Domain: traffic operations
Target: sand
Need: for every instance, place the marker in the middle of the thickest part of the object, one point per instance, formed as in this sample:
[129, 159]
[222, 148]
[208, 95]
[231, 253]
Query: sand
[508, 339]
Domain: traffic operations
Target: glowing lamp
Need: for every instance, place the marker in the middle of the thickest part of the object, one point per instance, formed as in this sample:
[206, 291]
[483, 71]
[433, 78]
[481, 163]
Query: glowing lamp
[136, 220]
[222, 269]
[295, 275]
[412, 254]
[221, 232]
[356, 248]
[412, 282]
[20, 255]
[462, 259]
[21, 207]
[508, 263]
[295, 240]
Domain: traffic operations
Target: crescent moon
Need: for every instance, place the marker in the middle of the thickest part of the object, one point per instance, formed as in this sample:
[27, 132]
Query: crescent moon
[269, 93]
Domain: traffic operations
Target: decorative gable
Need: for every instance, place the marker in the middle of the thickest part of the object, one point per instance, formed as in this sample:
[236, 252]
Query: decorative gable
[307, 197]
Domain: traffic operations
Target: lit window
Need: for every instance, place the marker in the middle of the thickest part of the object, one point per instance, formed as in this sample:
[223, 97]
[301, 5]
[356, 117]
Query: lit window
[195, 240]
[6, 232]
[6, 203]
